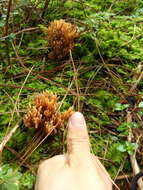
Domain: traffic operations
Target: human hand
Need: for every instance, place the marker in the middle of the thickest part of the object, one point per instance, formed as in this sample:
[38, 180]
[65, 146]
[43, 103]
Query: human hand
[76, 170]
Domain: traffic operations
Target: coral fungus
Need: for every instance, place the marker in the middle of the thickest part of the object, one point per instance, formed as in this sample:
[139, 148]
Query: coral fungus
[61, 37]
[44, 113]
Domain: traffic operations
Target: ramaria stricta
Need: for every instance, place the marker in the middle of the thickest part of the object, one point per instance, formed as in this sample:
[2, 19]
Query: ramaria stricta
[44, 113]
[61, 36]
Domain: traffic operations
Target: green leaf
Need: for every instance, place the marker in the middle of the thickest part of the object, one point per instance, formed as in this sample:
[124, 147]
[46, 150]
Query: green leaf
[11, 36]
[2, 24]
[121, 107]
[125, 126]
[9, 186]
[140, 105]
[114, 154]
[121, 148]
[131, 147]
[27, 180]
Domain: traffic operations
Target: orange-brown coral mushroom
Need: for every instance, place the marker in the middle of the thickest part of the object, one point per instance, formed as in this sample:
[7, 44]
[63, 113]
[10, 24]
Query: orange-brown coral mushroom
[44, 113]
[61, 37]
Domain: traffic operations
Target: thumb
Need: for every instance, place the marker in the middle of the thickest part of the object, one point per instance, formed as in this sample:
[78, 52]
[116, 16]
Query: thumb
[78, 146]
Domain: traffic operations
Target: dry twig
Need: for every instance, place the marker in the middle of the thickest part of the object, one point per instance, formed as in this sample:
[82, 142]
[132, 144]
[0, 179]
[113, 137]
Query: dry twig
[19, 32]
[7, 137]
[134, 163]
[12, 131]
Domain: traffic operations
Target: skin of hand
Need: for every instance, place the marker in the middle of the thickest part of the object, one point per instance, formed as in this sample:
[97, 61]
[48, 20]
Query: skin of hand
[78, 169]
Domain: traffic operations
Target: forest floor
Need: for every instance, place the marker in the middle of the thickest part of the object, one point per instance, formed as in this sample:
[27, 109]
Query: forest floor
[101, 77]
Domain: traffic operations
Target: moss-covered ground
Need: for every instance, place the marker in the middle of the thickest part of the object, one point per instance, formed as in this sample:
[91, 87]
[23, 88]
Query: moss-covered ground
[101, 77]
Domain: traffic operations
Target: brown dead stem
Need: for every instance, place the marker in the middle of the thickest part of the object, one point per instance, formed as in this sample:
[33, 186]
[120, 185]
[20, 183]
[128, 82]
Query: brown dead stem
[133, 160]
[76, 81]
[7, 137]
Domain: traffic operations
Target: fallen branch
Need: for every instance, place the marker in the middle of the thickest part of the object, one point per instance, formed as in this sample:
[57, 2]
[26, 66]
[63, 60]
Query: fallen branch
[7, 137]
[19, 87]
[125, 176]
[19, 32]
[136, 169]
[134, 163]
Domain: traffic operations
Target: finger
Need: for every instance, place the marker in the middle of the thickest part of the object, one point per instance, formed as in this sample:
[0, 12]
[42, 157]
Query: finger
[101, 168]
[103, 173]
[46, 171]
[78, 146]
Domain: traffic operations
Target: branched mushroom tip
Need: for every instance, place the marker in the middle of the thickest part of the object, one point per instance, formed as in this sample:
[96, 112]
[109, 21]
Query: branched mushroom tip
[61, 36]
[44, 113]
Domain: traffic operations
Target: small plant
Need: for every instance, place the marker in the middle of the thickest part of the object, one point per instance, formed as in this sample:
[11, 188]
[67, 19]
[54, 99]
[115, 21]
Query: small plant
[9, 179]
[61, 35]
[125, 126]
[45, 114]
[121, 107]
[127, 147]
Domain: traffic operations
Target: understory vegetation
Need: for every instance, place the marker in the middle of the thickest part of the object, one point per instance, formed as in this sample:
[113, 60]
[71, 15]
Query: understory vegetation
[101, 76]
